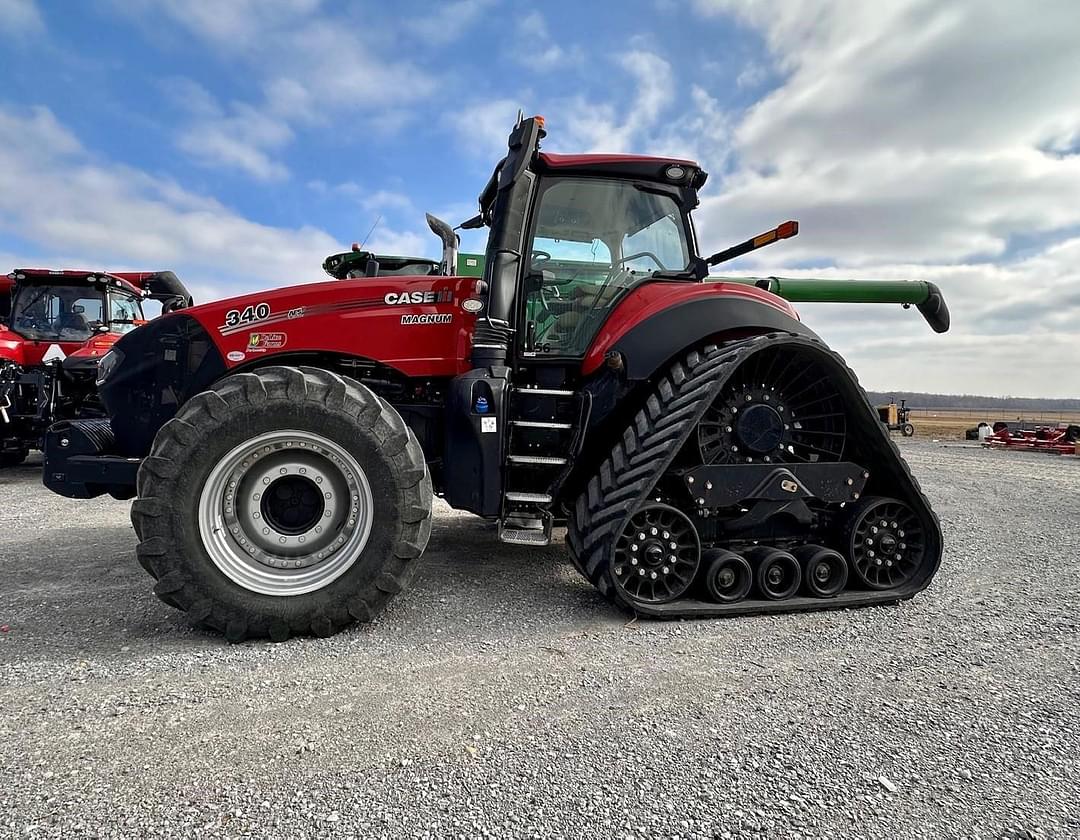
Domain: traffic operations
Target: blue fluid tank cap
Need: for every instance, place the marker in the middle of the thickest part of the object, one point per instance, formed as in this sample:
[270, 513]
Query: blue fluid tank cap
[481, 405]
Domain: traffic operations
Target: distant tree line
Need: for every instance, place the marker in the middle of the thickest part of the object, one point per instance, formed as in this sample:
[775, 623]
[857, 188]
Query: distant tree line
[916, 399]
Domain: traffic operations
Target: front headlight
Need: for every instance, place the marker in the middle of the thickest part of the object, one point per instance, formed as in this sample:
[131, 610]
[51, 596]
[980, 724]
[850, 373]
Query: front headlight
[107, 364]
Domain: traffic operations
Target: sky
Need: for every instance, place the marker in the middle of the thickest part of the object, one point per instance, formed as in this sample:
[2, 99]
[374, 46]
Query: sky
[239, 142]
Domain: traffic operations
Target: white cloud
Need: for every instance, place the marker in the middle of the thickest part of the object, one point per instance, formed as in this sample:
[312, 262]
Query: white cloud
[541, 51]
[448, 22]
[238, 138]
[20, 17]
[309, 67]
[920, 140]
[72, 208]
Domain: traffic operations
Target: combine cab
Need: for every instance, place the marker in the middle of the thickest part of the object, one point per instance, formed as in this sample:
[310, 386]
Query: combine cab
[708, 454]
[54, 328]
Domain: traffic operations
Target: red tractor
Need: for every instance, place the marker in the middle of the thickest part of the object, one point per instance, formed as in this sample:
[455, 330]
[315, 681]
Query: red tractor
[54, 327]
[708, 454]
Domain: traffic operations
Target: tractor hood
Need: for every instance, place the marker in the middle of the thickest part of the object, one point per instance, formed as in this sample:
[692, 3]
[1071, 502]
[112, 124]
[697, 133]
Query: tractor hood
[21, 351]
[399, 326]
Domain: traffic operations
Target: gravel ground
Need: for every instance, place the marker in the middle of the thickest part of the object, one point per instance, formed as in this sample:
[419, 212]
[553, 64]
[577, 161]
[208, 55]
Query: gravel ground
[500, 697]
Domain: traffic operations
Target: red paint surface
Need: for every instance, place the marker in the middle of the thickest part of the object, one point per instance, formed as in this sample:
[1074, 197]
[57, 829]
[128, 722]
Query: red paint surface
[368, 328]
[28, 353]
[652, 298]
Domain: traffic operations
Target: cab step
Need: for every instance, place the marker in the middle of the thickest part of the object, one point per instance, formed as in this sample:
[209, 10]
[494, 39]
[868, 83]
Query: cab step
[528, 529]
[540, 460]
[540, 424]
[544, 392]
[528, 498]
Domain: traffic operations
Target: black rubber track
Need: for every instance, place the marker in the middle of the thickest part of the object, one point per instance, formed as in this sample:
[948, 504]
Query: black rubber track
[208, 600]
[660, 428]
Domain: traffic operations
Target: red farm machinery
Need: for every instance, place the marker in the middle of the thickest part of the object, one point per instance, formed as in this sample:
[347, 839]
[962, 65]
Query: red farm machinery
[54, 327]
[706, 452]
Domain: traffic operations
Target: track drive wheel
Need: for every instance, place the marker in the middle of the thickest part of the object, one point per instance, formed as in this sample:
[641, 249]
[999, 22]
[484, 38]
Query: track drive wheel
[285, 501]
[886, 542]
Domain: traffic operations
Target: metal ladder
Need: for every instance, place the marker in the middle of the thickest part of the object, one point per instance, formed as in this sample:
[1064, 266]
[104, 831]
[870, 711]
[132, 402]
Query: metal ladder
[546, 429]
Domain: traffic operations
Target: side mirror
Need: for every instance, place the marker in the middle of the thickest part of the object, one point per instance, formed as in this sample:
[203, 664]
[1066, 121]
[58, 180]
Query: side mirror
[474, 223]
[77, 309]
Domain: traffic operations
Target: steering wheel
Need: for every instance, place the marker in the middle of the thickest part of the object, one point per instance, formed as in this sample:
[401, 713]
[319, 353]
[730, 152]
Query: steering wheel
[648, 254]
[539, 257]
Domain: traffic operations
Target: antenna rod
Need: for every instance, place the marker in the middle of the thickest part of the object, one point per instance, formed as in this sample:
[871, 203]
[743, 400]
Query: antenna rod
[368, 235]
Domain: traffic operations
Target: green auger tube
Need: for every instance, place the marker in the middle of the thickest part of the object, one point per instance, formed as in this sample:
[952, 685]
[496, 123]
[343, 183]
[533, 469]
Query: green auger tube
[922, 294]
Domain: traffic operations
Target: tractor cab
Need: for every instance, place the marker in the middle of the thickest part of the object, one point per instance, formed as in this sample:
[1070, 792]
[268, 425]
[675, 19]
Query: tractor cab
[570, 236]
[71, 309]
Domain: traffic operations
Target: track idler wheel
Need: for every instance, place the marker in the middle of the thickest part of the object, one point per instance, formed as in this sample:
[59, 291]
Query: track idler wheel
[887, 542]
[657, 555]
[728, 576]
[824, 571]
[777, 574]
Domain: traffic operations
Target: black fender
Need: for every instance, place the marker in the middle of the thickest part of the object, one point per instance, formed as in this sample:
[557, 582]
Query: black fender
[163, 364]
[651, 344]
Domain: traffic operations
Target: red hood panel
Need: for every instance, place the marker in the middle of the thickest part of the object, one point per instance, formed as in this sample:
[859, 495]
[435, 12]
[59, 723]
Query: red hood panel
[414, 324]
[29, 353]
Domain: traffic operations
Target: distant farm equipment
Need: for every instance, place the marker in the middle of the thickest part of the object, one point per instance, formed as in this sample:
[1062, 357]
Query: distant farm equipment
[1056, 440]
[897, 418]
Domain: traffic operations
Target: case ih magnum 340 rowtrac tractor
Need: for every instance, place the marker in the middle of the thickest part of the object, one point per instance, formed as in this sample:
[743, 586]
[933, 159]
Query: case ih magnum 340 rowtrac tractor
[54, 327]
[709, 455]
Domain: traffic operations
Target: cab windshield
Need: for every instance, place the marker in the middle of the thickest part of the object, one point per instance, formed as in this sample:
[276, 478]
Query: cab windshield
[58, 312]
[594, 240]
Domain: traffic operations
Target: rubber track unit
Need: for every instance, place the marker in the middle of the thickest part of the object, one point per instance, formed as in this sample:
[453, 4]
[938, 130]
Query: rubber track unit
[154, 526]
[626, 478]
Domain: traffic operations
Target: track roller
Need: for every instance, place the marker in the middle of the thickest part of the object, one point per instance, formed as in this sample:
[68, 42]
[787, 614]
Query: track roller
[824, 571]
[728, 577]
[777, 574]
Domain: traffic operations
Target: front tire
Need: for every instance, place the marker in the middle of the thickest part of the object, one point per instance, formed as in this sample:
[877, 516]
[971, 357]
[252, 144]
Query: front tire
[907, 430]
[281, 502]
[12, 458]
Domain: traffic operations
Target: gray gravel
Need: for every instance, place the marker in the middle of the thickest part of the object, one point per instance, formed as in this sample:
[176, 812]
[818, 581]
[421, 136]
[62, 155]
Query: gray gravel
[501, 697]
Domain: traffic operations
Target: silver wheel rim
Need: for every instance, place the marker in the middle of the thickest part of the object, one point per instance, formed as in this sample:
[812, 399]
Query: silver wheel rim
[285, 513]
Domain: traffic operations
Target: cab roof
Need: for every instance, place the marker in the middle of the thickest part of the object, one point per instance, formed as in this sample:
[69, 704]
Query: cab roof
[665, 170]
[129, 281]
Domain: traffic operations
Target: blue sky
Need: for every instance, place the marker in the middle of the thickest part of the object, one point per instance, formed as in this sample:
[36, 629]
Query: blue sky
[241, 142]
